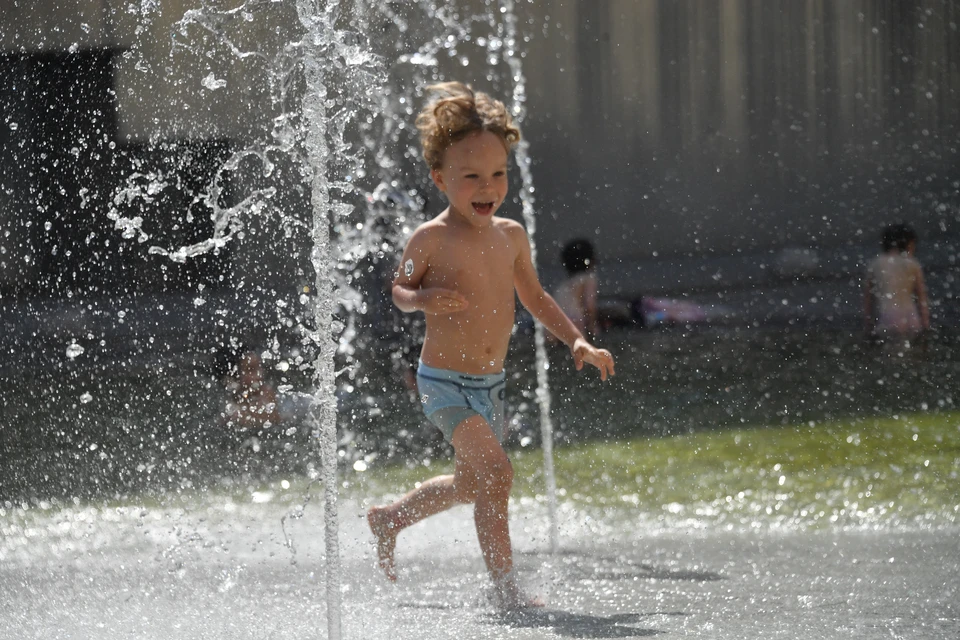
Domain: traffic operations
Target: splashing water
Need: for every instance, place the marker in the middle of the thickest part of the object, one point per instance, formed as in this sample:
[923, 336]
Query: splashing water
[323, 417]
[53, 553]
[323, 42]
[339, 72]
[529, 217]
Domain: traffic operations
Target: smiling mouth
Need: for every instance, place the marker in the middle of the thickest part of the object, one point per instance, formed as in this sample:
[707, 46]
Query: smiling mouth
[483, 208]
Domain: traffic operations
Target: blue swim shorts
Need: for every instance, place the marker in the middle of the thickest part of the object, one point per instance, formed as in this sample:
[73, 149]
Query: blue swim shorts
[450, 397]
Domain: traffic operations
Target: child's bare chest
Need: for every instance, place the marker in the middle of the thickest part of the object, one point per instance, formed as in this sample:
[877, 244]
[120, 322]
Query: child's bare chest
[472, 267]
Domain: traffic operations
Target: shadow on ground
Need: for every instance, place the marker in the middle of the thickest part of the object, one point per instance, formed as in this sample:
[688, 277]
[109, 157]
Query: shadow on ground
[562, 623]
[579, 625]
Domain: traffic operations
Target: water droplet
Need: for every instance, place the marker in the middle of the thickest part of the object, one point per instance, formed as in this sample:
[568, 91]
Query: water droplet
[213, 83]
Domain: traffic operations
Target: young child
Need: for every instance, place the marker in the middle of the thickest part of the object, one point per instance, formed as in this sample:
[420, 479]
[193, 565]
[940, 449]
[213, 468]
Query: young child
[895, 298]
[461, 270]
[252, 402]
[577, 295]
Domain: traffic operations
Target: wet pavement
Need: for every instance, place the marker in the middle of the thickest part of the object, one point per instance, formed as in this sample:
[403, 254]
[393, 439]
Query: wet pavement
[215, 568]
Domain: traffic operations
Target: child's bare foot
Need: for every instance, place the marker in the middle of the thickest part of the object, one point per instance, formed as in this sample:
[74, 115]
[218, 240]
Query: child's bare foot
[386, 534]
[507, 596]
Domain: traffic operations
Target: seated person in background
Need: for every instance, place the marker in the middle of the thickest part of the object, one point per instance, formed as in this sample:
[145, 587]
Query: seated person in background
[577, 295]
[252, 401]
[895, 296]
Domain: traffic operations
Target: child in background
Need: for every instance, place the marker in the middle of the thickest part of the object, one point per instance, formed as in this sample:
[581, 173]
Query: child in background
[577, 295]
[252, 401]
[895, 296]
[462, 269]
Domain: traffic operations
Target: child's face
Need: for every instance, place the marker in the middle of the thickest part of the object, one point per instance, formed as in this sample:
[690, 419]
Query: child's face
[473, 175]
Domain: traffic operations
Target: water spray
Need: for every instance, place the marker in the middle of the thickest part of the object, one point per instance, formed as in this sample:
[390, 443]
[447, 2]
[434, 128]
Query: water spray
[518, 110]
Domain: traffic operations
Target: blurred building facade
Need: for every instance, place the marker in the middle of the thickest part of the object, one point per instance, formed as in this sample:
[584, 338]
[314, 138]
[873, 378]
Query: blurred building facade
[740, 125]
[678, 132]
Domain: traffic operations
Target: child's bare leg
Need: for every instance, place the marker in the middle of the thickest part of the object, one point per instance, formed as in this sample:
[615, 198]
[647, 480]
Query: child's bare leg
[385, 534]
[485, 471]
[439, 494]
[431, 497]
[485, 476]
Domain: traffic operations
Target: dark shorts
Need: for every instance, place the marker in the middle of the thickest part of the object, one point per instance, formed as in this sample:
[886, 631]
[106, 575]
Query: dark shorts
[450, 397]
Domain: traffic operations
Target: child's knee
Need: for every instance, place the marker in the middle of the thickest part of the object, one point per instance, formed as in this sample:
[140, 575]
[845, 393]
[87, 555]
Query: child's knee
[493, 479]
[465, 489]
[496, 477]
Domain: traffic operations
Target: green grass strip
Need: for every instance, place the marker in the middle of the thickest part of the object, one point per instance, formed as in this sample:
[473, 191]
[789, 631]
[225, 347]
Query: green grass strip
[889, 470]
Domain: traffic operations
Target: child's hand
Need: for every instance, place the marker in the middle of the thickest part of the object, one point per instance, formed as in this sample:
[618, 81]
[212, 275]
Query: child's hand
[442, 301]
[583, 351]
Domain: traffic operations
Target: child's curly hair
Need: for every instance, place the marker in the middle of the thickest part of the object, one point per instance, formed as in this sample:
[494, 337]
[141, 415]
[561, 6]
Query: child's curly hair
[457, 111]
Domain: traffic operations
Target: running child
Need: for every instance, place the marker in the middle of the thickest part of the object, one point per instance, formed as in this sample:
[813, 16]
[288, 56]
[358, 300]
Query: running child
[462, 269]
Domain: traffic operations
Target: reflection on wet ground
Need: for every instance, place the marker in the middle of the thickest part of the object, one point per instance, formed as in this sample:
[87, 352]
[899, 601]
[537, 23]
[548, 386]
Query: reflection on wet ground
[215, 567]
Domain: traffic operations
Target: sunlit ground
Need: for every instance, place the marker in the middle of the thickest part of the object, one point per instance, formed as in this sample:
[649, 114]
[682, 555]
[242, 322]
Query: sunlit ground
[843, 528]
[840, 529]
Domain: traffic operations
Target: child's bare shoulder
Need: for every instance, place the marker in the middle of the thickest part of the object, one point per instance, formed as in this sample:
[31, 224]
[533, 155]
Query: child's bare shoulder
[512, 228]
[507, 224]
[915, 267]
[427, 233]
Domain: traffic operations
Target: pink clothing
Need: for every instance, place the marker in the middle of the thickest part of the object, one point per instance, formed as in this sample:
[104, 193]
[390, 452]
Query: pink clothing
[673, 311]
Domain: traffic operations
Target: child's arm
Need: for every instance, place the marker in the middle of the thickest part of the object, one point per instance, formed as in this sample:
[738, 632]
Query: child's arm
[406, 291]
[545, 309]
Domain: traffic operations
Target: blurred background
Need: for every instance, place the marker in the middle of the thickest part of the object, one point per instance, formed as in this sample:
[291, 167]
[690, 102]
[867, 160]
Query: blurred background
[738, 156]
